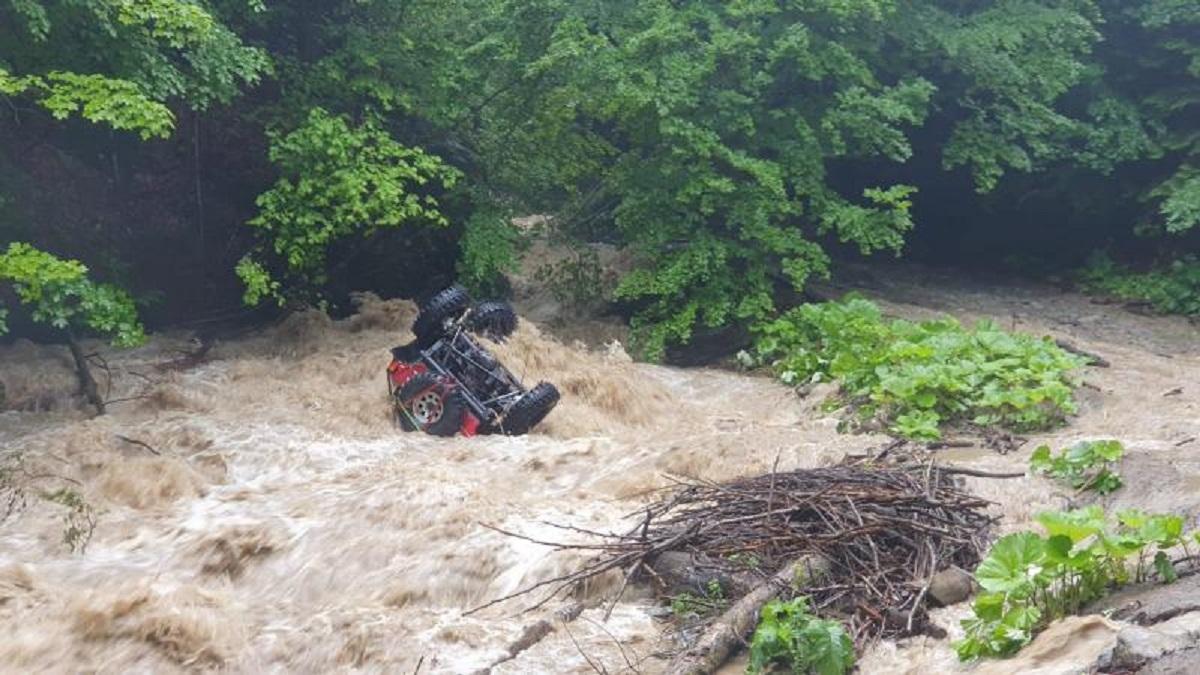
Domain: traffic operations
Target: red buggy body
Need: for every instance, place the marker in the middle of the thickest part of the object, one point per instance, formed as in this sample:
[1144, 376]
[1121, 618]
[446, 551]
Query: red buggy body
[446, 383]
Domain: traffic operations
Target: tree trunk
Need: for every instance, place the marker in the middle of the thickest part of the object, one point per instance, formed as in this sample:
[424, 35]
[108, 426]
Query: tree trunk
[87, 383]
[730, 629]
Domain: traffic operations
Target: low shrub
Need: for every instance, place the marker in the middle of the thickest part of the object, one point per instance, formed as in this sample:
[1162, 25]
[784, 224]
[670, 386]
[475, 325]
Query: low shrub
[918, 377]
[1029, 580]
[1172, 288]
[787, 635]
[1087, 465]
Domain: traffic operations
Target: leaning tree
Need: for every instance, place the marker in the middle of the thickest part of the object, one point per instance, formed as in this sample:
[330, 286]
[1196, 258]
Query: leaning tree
[58, 293]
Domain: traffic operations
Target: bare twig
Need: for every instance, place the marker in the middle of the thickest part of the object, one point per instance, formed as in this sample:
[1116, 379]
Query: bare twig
[620, 647]
[959, 471]
[1095, 359]
[597, 668]
[535, 633]
[140, 444]
[924, 589]
[126, 399]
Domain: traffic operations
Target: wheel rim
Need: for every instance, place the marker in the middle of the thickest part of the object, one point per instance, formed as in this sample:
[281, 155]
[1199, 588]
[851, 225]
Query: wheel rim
[427, 407]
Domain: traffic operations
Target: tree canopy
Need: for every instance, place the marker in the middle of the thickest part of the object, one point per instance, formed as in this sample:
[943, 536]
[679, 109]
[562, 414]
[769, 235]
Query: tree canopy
[734, 147]
[59, 293]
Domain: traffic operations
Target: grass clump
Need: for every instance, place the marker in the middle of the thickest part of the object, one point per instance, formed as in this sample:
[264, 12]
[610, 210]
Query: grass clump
[1173, 288]
[1087, 465]
[787, 635]
[915, 378]
[691, 605]
[1029, 580]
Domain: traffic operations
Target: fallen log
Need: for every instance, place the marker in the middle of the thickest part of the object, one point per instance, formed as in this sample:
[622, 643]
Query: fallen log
[728, 632]
[535, 633]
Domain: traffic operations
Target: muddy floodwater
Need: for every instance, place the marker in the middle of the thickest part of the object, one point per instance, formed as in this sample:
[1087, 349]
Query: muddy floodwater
[259, 512]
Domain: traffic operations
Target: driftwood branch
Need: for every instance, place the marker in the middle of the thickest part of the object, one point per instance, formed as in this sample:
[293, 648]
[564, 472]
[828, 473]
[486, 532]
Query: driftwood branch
[189, 359]
[535, 633]
[1095, 359]
[959, 471]
[140, 444]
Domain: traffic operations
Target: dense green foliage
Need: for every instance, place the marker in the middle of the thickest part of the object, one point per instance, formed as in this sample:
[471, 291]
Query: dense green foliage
[121, 63]
[917, 377]
[1156, 65]
[59, 293]
[1171, 289]
[1087, 465]
[1029, 580]
[338, 181]
[788, 635]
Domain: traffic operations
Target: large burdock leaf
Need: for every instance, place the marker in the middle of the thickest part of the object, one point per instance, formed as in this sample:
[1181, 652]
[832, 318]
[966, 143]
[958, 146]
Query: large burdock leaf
[1078, 524]
[1013, 564]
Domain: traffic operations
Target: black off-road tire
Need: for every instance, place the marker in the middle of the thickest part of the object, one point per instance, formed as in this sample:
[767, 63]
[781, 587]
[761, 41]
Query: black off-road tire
[494, 320]
[453, 407]
[530, 410]
[448, 305]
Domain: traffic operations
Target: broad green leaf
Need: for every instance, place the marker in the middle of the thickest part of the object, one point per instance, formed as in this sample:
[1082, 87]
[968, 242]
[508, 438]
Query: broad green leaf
[1040, 460]
[1076, 525]
[1164, 567]
[1013, 564]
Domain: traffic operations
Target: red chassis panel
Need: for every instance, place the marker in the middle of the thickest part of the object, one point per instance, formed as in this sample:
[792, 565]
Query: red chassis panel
[399, 373]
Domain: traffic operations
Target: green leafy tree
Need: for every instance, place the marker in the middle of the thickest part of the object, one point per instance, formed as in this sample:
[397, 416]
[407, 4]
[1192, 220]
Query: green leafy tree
[59, 293]
[128, 65]
[728, 144]
[338, 181]
[1007, 66]
[1155, 64]
[714, 138]
[121, 63]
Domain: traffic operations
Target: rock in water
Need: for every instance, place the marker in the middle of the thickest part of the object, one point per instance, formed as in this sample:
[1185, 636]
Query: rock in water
[951, 586]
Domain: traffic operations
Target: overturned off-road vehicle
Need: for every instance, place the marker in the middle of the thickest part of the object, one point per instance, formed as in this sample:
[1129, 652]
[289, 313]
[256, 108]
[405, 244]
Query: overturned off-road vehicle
[445, 383]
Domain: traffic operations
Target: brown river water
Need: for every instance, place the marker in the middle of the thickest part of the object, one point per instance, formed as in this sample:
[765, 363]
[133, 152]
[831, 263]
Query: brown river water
[272, 519]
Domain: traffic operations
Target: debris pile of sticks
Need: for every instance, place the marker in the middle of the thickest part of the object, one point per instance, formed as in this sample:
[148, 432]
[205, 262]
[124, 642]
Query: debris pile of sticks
[880, 534]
